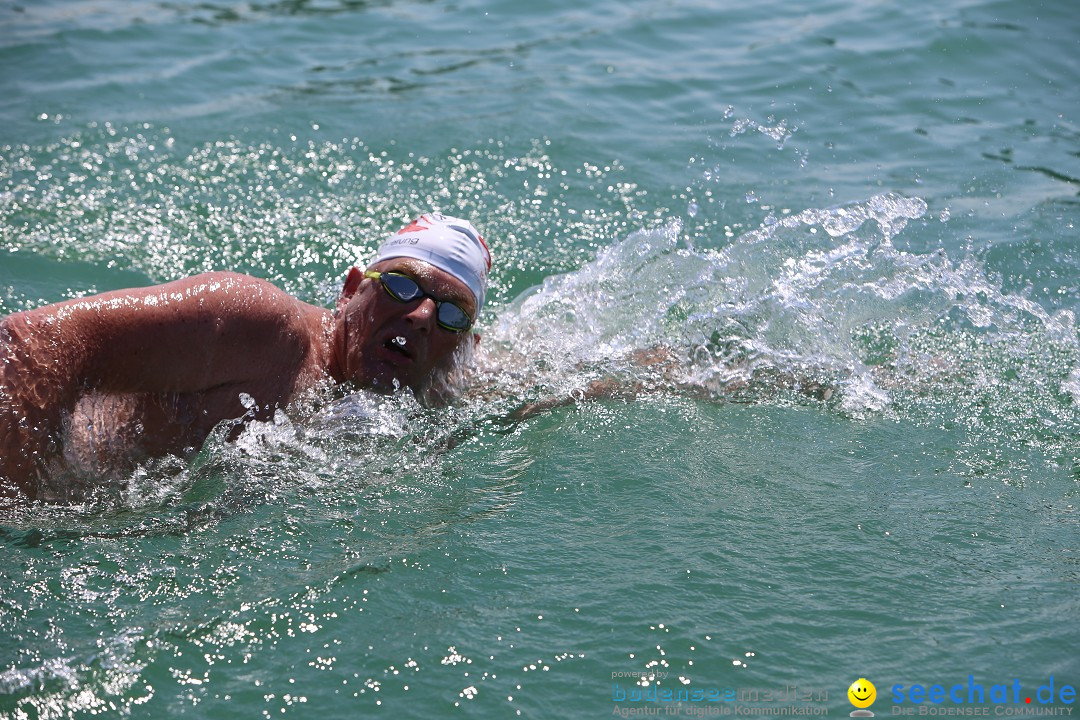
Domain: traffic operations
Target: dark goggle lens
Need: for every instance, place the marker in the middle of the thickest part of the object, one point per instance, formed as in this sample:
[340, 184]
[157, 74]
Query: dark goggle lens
[453, 318]
[401, 287]
[404, 289]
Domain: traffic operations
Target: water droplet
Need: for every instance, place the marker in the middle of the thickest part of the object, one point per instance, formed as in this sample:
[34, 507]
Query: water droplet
[692, 209]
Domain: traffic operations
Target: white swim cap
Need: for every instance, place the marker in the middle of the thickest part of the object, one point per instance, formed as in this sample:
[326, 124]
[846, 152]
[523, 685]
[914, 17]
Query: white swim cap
[448, 243]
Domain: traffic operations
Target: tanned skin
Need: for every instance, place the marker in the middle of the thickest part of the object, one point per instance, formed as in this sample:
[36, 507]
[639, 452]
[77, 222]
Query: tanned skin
[113, 379]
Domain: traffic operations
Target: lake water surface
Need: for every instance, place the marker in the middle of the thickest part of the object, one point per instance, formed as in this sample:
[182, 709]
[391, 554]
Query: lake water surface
[851, 226]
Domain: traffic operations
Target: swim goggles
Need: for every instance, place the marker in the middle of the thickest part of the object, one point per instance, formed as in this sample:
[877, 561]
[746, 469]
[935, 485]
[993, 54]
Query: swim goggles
[404, 289]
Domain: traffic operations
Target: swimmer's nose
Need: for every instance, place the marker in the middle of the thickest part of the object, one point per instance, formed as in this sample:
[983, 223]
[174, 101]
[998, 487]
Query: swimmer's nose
[422, 317]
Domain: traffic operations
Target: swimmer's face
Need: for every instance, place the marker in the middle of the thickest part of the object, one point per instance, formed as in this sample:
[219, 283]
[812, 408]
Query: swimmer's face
[862, 693]
[383, 340]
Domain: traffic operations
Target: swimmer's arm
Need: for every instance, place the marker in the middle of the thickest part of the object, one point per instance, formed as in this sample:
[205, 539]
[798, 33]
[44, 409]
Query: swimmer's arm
[207, 332]
[185, 336]
[606, 389]
[661, 364]
[658, 361]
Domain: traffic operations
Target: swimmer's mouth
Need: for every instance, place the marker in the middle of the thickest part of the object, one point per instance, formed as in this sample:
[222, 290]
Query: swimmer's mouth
[399, 345]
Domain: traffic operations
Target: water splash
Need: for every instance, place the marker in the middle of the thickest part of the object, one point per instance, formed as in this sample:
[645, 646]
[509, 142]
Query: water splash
[819, 306]
[780, 131]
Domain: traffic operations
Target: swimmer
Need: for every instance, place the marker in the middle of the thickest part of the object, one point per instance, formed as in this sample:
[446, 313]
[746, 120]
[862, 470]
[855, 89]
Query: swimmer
[108, 381]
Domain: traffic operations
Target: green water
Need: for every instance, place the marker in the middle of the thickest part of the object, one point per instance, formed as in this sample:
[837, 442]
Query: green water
[878, 199]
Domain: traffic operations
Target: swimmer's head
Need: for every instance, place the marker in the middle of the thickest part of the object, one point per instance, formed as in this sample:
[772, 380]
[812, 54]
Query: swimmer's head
[450, 244]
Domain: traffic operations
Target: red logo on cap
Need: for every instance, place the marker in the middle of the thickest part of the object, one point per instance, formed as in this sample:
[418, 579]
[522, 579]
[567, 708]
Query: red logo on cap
[415, 226]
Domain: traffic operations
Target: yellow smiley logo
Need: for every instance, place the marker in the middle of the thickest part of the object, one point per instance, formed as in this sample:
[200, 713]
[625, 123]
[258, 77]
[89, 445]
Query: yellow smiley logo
[862, 693]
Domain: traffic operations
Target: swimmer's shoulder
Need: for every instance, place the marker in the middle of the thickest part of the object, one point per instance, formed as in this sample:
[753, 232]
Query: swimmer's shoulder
[250, 311]
[233, 295]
